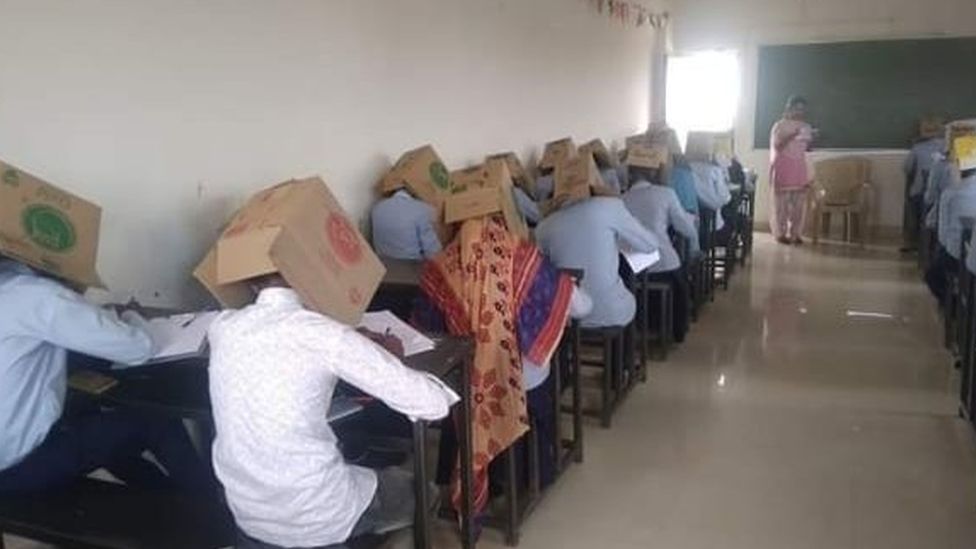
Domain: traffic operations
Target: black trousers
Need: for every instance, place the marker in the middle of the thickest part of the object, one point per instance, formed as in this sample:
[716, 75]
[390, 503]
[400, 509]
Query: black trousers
[937, 276]
[681, 297]
[80, 444]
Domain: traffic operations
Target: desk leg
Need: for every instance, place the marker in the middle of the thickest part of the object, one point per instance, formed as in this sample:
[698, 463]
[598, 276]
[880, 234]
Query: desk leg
[467, 459]
[577, 394]
[421, 532]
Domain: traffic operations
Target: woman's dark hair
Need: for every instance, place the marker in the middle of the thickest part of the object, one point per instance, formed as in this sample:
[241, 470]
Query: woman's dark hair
[796, 100]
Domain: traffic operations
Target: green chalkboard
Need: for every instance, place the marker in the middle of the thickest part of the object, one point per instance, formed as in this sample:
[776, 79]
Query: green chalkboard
[867, 95]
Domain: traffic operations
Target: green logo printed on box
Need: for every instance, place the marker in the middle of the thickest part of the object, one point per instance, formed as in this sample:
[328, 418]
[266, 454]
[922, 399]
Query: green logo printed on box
[11, 177]
[48, 228]
[438, 173]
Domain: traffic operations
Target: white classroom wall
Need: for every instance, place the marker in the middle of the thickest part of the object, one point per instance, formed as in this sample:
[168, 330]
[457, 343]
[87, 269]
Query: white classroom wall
[169, 113]
[745, 24]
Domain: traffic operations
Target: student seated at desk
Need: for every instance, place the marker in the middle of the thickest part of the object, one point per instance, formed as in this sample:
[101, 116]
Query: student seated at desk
[657, 206]
[940, 176]
[711, 183]
[42, 446]
[917, 167]
[403, 227]
[490, 283]
[584, 234]
[682, 180]
[273, 368]
[956, 203]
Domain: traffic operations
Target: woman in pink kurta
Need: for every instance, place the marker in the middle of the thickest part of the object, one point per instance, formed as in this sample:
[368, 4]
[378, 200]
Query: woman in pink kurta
[789, 141]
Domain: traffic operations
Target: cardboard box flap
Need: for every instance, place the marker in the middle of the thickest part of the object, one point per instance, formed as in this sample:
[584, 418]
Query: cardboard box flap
[472, 203]
[557, 152]
[599, 152]
[48, 228]
[246, 255]
[519, 174]
[232, 296]
[643, 156]
[964, 150]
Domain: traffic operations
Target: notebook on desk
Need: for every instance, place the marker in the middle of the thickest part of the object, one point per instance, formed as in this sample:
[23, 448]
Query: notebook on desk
[180, 336]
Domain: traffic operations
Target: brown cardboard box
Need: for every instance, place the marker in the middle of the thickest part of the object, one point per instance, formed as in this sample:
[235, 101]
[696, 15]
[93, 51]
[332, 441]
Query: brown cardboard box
[599, 152]
[48, 228]
[484, 190]
[519, 175]
[577, 179]
[423, 173]
[557, 152]
[643, 156]
[297, 229]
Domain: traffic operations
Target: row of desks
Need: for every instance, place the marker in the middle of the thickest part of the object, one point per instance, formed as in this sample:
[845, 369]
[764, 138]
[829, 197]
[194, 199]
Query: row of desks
[180, 390]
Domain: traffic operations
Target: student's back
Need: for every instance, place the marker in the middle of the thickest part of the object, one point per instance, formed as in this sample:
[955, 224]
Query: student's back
[584, 236]
[40, 320]
[956, 203]
[273, 368]
[403, 228]
[920, 161]
[683, 183]
[658, 208]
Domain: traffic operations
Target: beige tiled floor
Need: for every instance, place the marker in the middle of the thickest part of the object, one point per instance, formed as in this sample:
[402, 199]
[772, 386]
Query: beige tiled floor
[783, 423]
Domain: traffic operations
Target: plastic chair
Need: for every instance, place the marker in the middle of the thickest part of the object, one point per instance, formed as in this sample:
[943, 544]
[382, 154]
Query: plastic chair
[842, 186]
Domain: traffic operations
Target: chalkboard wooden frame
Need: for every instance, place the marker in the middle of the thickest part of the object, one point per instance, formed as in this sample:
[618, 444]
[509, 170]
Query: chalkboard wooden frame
[867, 94]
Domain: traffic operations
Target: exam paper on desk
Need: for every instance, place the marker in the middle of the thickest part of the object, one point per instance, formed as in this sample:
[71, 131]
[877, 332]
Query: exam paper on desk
[385, 322]
[639, 261]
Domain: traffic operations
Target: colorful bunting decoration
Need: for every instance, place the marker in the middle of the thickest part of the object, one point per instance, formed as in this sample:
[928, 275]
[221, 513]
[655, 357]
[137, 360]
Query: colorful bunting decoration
[631, 13]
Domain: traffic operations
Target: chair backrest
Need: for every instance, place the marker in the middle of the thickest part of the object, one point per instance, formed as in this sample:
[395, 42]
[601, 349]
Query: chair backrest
[842, 179]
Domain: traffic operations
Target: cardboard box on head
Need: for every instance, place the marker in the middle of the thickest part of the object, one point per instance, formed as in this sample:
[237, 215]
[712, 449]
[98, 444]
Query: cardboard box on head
[557, 152]
[299, 230]
[48, 228]
[519, 175]
[422, 172]
[599, 152]
[485, 190]
[642, 155]
[963, 145]
[578, 179]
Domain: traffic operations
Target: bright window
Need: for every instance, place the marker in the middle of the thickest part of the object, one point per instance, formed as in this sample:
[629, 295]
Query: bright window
[702, 92]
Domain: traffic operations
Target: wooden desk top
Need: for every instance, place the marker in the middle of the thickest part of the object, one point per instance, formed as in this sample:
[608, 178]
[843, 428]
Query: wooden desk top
[181, 389]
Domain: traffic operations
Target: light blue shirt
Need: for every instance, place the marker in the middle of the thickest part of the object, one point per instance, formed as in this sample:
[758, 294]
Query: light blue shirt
[611, 180]
[920, 159]
[403, 228]
[40, 321]
[940, 176]
[683, 183]
[527, 206]
[544, 187]
[957, 202]
[712, 186]
[658, 208]
[585, 236]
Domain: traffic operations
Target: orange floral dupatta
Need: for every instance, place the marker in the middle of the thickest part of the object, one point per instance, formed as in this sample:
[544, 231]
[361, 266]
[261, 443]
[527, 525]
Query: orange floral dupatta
[479, 282]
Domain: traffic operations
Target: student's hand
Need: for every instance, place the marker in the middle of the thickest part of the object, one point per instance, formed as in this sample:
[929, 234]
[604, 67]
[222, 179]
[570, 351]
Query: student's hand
[388, 341]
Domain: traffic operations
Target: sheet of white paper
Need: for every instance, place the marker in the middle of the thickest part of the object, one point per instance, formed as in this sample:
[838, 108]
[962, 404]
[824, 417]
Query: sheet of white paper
[640, 261]
[383, 322]
[179, 336]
